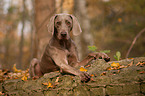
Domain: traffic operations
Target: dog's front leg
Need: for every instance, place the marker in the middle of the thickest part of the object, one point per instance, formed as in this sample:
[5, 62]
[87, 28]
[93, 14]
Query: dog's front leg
[93, 56]
[60, 59]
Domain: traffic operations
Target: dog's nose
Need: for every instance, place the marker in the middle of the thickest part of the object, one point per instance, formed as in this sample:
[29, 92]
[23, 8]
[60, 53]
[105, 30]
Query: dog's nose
[63, 34]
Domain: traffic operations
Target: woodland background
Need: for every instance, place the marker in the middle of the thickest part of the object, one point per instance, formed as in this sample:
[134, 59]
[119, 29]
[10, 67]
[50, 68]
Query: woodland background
[106, 24]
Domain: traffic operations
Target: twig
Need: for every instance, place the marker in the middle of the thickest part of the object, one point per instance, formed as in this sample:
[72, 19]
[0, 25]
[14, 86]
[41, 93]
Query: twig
[133, 42]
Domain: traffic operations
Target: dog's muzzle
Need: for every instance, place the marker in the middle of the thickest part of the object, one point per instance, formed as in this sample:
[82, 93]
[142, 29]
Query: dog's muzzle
[63, 35]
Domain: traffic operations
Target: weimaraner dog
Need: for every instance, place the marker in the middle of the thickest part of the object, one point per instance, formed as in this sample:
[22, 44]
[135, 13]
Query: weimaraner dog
[61, 52]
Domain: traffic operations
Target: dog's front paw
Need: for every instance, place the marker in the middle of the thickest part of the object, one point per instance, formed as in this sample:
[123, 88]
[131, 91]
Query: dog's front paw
[85, 77]
[92, 56]
[107, 59]
[103, 56]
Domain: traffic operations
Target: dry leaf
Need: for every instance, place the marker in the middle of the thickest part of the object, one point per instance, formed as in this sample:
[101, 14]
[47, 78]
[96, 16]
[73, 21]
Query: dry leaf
[109, 68]
[1, 93]
[95, 75]
[83, 69]
[87, 66]
[17, 74]
[130, 58]
[119, 20]
[45, 83]
[24, 78]
[103, 74]
[15, 69]
[92, 79]
[141, 63]
[115, 64]
[142, 72]
[122, 66]
[118, 71]
[137, 63]
[49, 85]
[56, 81]
[92, 75]
[130, 64]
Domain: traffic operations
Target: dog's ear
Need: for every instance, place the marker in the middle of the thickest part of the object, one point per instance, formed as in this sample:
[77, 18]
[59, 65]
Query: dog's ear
[51, 24]
[76, 29]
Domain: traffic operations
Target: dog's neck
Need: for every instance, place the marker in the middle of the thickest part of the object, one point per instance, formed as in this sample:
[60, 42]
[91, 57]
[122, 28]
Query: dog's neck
[63, 44]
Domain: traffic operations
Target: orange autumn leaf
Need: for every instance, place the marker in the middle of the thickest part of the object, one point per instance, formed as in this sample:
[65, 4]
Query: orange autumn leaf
[109, 68]
[119, 20]
[1, 93]
[24, 78]
[15, 69]
[45, 83]
[115, 64]
[140, 63]
[130, 58]
[95, 75]
[122, 66]
[49, 85]
[87, 66]
[142, 72]
[130, 64]
[103, 74]
[83, 69]
[92, 75]
[57, 79]
[92, 79]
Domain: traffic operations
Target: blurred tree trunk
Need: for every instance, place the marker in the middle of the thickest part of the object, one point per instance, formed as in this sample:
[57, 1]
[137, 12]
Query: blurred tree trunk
[7, 46]
[61, 6]
[43, 11]
[32, 31]
[22, 37]
[85, 38]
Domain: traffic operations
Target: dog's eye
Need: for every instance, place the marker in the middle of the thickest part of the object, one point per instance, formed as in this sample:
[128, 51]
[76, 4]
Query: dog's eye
[58, 23]
[67, 22]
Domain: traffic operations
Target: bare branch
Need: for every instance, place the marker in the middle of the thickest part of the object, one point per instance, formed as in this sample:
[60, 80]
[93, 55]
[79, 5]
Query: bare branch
[133, 42]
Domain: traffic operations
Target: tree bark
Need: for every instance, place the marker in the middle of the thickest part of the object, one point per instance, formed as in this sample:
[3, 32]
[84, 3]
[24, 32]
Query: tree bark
[85, 38]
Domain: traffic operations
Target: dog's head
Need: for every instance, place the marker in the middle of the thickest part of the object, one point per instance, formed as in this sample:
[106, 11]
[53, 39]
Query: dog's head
[60, 26]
